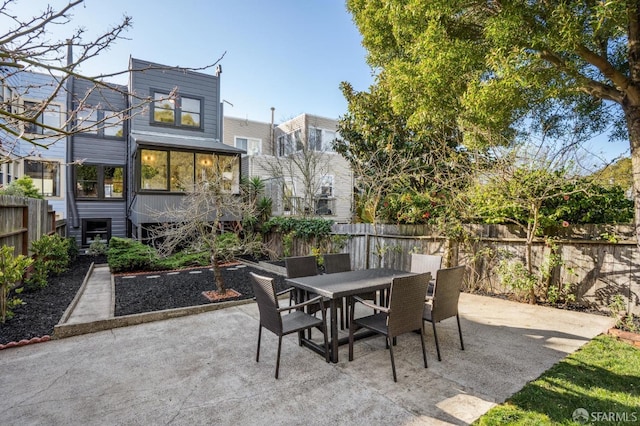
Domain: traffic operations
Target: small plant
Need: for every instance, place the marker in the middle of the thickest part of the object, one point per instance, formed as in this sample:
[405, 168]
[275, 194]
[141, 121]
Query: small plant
[624, 319]
[97, 246]
[51, 255]
[22, 187]
[514, 275]
[12, 270]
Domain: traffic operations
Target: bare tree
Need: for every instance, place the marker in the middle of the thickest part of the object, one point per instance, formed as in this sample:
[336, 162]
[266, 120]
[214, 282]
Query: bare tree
[213, 209]
[303, 163]
[25, 46]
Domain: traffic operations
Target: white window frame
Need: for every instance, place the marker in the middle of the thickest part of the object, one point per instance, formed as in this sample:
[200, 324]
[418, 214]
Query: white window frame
[327, 181]
[253, 145]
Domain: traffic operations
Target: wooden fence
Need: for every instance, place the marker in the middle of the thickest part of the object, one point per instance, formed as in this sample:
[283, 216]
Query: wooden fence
[595, 268]
[23, 220]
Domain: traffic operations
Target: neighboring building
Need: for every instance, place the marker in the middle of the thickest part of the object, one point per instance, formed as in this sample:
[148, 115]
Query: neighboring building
[303, 175]
[23, 93]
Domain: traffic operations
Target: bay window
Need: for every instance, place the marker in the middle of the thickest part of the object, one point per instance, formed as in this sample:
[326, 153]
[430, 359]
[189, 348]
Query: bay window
[178, 171]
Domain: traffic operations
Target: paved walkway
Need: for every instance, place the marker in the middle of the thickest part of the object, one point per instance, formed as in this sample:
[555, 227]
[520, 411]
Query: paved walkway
[201, 369]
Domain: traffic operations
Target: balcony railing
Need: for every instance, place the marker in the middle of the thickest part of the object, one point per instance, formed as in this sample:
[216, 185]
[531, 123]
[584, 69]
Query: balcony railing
[298, 206]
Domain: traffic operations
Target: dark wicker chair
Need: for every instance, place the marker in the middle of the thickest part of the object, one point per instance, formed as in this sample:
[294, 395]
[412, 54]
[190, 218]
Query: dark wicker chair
[426, 263]
[403, 315]
[444, 303]
[306, 266]
[341, 262]
[272, 319]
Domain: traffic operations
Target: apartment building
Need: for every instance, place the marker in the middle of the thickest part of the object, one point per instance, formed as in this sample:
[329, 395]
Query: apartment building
[34, 149]
[303, 175]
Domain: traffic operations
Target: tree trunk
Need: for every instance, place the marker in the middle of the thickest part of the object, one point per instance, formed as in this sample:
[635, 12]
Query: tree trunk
[632, 116]
[217, 276]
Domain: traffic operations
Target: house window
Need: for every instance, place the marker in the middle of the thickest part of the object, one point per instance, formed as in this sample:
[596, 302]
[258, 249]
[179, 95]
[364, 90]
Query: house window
[179, 111]
[46, 118]
[93, 229]
[290, 143]
[251, 145]
[100, 122]
[177, 171]
[99, 181]
[321, 139]
[45, 176]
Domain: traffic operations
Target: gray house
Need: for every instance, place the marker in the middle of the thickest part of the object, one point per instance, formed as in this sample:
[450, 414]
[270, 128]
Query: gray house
[141, 147]
[174, 141]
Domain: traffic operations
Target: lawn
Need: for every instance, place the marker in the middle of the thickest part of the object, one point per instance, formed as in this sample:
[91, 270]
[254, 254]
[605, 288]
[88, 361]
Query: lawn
[600, 381]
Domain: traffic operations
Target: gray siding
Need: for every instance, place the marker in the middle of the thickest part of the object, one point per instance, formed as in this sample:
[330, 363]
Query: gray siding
[114, 210]
[146, 76]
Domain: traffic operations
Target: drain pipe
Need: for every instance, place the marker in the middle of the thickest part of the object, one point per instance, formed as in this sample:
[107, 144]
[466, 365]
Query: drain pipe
[72, 208]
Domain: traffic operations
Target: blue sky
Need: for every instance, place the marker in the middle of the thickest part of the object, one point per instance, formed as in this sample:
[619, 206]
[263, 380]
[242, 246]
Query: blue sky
[287, 54]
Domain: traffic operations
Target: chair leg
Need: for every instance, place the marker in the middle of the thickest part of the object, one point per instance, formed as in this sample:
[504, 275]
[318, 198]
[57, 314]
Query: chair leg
[278, 357]
[424, 351]
[326, 340]
[460, 332]
[259, 336]
[351, 327]
[435, 336]
[393, 364]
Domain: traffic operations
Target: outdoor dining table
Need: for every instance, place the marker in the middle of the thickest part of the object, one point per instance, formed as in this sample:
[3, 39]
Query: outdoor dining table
[340, 285]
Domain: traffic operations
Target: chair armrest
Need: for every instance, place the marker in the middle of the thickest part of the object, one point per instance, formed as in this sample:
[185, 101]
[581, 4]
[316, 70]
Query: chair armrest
[289, 290]
[317, 299]
[371, 305]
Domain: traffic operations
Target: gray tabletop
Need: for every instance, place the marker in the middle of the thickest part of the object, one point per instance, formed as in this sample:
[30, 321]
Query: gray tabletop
[341, 284]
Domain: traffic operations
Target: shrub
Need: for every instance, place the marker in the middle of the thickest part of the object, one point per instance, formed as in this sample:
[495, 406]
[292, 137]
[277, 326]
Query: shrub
[125, 254]
[11, 271]
[22, 187]
[97, 247]
[51, 255]
[183, 259]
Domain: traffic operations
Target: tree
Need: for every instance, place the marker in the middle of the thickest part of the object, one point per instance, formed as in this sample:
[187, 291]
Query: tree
[199, 222]
[302, 166]
[496, 67]
[26, 46]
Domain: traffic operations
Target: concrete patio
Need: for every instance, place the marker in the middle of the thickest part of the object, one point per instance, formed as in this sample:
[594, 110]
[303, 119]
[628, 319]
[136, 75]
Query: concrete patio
[200, 369]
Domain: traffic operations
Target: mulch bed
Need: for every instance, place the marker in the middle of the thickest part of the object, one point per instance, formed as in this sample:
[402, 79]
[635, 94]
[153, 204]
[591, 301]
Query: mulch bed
[155, 291]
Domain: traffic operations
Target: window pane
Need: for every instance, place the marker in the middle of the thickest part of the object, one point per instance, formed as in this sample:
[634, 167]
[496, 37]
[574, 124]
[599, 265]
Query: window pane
[45, 176]
[190, 119]
[230, 170]
[181, 171]
[205, 170]
[113, 182]
[154, 169]
[241, 143]
[163, 109]
[86, 181]
[86, 120]
[51, 117]
[31, 111]
[113, 124]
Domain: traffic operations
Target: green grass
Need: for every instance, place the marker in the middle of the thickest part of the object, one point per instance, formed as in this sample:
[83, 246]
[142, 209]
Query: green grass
[602, 377]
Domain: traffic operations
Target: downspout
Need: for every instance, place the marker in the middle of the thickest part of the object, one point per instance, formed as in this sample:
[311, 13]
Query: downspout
[220, 113]
[71, 195]
[272, 135]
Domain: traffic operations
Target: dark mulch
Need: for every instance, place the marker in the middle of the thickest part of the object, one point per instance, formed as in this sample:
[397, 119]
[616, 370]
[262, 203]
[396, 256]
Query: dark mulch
[139, 293]
[43, 308]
